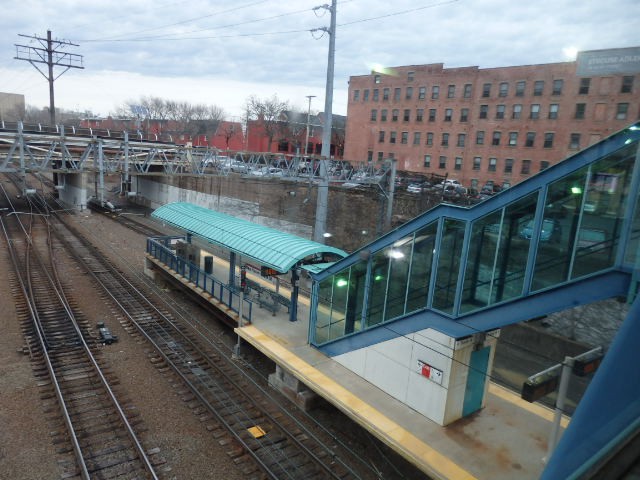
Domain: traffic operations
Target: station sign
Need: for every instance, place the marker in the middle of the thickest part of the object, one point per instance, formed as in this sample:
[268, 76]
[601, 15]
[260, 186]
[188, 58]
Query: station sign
[269, 272]
[430, 372]
[608, 62]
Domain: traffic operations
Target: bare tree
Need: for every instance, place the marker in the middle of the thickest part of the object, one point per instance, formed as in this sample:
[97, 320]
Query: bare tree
[267, 112]
[186, 118]
[228, 131]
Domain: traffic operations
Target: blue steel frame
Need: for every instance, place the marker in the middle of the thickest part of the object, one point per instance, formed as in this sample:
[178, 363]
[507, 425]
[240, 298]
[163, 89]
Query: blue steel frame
[158, 248]
[583, 290]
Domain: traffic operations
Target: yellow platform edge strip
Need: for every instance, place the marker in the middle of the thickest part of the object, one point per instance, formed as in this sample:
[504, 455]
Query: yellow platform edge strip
[392, 434]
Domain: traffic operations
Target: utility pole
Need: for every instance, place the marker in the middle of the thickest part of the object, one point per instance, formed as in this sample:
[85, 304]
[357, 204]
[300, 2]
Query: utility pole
[52, 55]
[323, 188]
[306, 140]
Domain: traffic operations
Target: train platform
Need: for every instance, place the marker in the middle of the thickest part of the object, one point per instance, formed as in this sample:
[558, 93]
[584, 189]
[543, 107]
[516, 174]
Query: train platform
[505, 440]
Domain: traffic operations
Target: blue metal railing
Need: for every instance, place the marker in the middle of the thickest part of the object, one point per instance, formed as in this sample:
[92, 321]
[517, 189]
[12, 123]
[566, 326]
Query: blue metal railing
[159, 248]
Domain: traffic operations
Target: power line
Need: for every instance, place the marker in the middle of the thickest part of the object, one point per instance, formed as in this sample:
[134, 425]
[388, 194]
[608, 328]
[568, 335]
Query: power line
[51, 54]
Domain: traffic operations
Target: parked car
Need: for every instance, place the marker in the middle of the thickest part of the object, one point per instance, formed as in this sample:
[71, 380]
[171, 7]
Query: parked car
[414, 188]
[591, 238]
[551, 230]
[239, 167]
[267, 172]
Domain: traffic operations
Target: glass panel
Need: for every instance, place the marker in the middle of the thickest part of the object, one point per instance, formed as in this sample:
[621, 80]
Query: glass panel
[448, 265]
[512, 256]
[559, 226]
[377, 294]
[602, 213]
[338, 305]
[400, 257]
[421, 262]
[486, 233]
[355, 300]
[323, 312]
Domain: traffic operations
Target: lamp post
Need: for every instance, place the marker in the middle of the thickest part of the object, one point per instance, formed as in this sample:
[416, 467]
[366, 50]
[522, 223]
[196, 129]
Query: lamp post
[306, 140]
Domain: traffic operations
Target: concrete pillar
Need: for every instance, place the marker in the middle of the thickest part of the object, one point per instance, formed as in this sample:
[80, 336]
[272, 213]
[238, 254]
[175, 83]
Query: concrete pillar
[74, 191]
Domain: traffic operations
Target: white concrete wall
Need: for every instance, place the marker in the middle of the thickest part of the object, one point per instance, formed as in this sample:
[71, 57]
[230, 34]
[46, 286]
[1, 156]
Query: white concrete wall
[393, 366]
[160, 194]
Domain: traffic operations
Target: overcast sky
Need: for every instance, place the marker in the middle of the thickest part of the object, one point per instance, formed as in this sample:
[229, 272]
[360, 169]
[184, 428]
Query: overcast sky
[219, 52]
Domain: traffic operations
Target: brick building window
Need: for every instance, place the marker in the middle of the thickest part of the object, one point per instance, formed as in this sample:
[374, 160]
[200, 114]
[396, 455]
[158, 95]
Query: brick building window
[464, 115]
[517, 111]
[392, 137]
[557, 87]
[381, 136]
[370, 156]
[374, 115]
[432, 114]
[580, 110]
[513, 139]
[503, 89]
[409, 93]
[538, 87]
[548, 140]
[383, 115]
[376, 79]
[356, 95]
[417, 138]
[462, 137]
[531, 138]
[525, 168]
[365, 98]
[627, 84]
[435, 92]
[429, 138]
[484, 111]
[621, 111]
[394, 114]
[396, 94]
[544, 164]
[458, 164]
[427, 161]
[486, 90]
[520, 86]
[445, 140]
[480, 137]
[385, 94]
[410, 76]
[574, 141]
[419, 114]
[448, 113]
[451, 91]
[442, 162]
[467, 90]
[508, 165]
[477, 162]
[404, 138]
[422, 93]
[496, 138]
[535, 111]
[407, 115]
[493, 164]
[585, 83]
[380, 156]
[376, 94]
[553, 111]
[500, 111]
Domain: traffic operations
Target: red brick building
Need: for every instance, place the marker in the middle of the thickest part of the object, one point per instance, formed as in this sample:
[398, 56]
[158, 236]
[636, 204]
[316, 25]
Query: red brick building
[501, 124]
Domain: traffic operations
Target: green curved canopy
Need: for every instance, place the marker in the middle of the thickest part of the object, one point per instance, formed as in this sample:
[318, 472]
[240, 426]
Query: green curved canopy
[266, 245]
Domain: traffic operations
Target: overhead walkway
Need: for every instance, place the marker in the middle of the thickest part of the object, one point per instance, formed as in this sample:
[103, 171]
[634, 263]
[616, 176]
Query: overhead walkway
[565, 237]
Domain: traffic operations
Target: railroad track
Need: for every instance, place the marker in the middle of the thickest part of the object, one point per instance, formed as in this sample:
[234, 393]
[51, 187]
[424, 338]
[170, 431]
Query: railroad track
[97, 428]
[262, 436]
